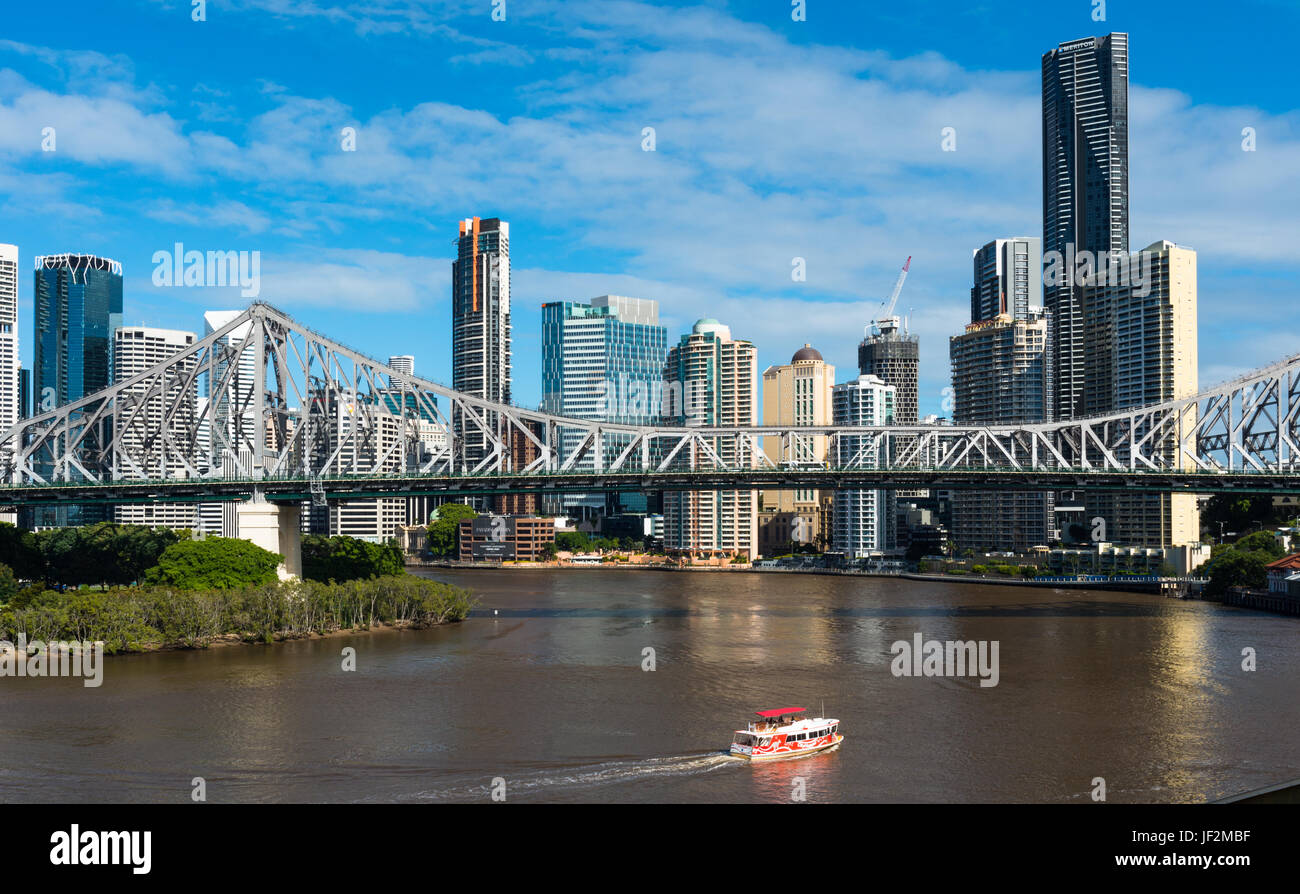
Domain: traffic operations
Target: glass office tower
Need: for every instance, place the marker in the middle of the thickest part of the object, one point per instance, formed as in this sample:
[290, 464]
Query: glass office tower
[78, 308]
[603, 361]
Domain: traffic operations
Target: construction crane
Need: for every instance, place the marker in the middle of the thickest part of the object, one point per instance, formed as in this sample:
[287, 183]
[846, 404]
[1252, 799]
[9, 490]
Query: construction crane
[887, 322]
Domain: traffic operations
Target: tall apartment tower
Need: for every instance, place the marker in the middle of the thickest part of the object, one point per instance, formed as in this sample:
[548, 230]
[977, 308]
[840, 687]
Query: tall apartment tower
[1143, 350]
[893, 356]
[603, 360]
[713, 381]
[480, 321]
[1008, 279]
[230, 388]
[10, 403]
[999, 377]
[797, 393]
[135, 350]
[1085, 190]
[863, 519]
[403, 363]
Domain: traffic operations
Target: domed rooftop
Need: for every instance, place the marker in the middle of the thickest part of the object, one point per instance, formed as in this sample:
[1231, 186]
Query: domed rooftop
[807, 352]
[708, 325]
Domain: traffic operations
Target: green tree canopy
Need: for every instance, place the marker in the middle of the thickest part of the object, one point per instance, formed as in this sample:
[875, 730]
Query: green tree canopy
[104, 553]
[20, 551]
[347, 558]
[8, 584]
[216, 563]
[1234, 568]
[1260, 541]
[444, 530]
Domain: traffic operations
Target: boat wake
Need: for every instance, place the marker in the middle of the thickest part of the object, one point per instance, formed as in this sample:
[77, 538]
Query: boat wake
[582, 776]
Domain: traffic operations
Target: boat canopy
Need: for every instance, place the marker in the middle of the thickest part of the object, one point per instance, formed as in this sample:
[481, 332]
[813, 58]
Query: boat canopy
[779, 712]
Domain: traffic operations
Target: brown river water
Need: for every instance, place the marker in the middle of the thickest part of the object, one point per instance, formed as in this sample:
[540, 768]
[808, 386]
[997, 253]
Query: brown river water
[543, 689]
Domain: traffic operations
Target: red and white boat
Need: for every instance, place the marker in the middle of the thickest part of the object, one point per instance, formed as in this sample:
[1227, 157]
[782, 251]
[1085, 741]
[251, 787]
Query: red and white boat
[785, 732]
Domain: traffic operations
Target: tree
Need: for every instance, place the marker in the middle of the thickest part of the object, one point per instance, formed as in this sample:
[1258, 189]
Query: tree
[574, 542]
[216, 563]
[343, 558]
[20, 551]
[8, 585]
[1260, 541]
[444, 531]
[1237, 569]
[549, 550]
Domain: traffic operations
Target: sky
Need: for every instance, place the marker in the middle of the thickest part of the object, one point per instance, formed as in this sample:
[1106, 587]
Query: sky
[774, 139]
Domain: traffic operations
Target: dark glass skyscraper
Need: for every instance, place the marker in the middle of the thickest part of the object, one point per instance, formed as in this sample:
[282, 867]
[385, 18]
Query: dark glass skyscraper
[1085, 190]
[78, 306]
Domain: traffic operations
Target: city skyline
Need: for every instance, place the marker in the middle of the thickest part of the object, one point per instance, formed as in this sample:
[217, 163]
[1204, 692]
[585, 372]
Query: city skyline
[324, 266]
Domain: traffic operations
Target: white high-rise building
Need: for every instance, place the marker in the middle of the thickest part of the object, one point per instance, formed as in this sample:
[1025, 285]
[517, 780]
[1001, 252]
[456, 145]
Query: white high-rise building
[403, 363]
[239, 426]
[1142, 349]
[863, 519]
[715, 380]
[135, 350]
[9, 405]
[8, 336]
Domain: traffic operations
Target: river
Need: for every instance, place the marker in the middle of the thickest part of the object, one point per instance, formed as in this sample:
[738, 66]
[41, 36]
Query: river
[543, 689]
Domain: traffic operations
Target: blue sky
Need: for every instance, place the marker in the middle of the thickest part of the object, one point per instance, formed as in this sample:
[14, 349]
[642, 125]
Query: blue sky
[775, 139]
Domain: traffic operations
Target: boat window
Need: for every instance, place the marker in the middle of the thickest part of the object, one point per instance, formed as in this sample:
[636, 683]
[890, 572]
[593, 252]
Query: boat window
[744, 739]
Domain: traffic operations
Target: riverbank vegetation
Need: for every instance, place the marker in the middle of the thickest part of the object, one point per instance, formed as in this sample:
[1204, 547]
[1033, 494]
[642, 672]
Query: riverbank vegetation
[140, 589]
[135, 619]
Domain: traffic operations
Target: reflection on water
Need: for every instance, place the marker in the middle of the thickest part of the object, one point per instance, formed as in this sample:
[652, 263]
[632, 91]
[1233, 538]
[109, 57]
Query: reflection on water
[543, 688]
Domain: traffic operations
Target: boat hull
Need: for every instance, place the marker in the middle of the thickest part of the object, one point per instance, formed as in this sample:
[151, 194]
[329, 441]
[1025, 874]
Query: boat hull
[789, 753]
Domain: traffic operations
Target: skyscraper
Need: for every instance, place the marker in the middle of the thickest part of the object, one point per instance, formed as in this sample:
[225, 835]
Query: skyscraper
[1085, 190]
[999, 377]
[78, 307]
[480, 322]
[863, 519]
[403, 363]
[78, 303]
[135, 350]
[894, 357]
[797, 393]
[712, 381]
[604, 361]
[1142, 336]
[10, 401]
[230, 388]
[1008, 278]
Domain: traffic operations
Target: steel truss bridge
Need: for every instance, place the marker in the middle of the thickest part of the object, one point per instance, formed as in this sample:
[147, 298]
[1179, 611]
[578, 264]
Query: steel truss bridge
[267, 409]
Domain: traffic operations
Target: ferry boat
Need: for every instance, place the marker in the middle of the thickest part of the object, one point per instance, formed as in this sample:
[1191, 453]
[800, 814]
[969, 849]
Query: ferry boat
[785, 732]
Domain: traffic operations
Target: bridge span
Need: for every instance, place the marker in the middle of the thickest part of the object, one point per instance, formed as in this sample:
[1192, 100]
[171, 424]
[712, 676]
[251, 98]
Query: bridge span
[270, 413]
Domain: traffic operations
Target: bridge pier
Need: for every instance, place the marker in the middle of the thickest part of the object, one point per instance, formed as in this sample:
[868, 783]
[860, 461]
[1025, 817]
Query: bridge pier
[274, 527]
